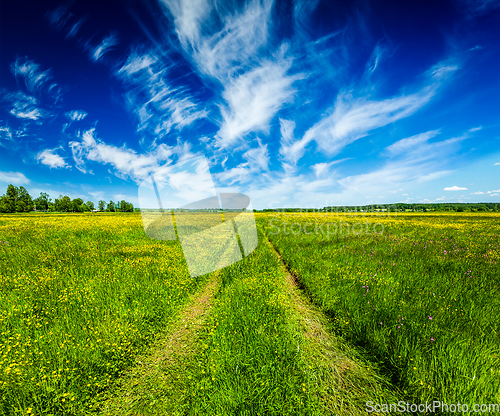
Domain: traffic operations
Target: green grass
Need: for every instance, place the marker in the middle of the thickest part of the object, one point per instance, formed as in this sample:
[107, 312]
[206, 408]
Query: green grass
[421, 297]
[252, 356]
[86, 297]
[81, 296]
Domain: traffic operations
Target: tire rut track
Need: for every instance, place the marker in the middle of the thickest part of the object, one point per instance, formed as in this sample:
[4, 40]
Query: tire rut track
[156, 372]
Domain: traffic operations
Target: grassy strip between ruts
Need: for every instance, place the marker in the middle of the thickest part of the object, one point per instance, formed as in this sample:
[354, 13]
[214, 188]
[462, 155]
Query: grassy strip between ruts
[263, 351]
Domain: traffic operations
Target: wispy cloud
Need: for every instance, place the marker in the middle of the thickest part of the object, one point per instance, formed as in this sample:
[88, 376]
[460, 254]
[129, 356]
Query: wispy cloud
[188, 16]
[75, 27]
[23, 106]
[235, 46]
[410, 143]
[158, 105]
[50, 158]
[5, 135]
[220, 40]
[126, 162]
[477, 193]
[291, 149]
[258, 156]
[31, 74]
[62, 18]
[15, 178]
[97, 52]
[257, 160]
[443, 70]
[496, 164]
[59, 16]
[321, 169]
[454, 188]
[226, 45]
[252, 101]
[76, 115]
[354, 118]
[378, 54]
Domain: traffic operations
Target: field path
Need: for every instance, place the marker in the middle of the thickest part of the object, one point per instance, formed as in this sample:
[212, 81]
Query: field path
[344, 381]
[159, 374]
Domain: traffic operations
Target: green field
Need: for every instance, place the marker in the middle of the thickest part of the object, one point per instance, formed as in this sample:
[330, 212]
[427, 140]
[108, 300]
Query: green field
[96, 318]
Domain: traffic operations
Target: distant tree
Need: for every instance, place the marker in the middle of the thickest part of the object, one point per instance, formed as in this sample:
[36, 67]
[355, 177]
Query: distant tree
[89, 206]
[24, 203]
[76, 205]
[11, 198]
[111, 206]
[57, 203]
[42, 202]
[52, 206]
[124, 206]
[4, 206]
[63, 204]
[101, 205]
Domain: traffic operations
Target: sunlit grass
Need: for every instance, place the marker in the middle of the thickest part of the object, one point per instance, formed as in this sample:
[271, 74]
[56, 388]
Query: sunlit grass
[81, 295]
[84, 295]
[421, 296]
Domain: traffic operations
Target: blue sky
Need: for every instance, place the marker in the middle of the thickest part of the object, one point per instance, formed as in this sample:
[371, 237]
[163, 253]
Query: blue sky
[303, 103]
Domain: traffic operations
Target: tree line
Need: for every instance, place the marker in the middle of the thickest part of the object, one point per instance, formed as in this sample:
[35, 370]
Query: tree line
[18, 199]
[402, 207]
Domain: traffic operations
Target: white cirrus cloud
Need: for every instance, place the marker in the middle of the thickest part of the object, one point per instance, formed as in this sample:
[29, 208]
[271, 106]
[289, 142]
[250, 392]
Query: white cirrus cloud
[30, 73]
[409, 144]
[24, 106]
[15, 178]
[322, 169]
[126, 162]
[75, 27]
[76, 115]
[477, 193]
[50, 158]
[152, 98]
[5, 134]
[224, 53]
[188, 16]
[257, 160]
[253, 99]
[354, 118]
[258, 157]
[291, 149]
[454, 188]
[98, 51]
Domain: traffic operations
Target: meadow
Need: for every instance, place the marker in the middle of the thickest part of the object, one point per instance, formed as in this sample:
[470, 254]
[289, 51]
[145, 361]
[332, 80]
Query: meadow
[418, 292]
[408, 310]
[81, 296]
